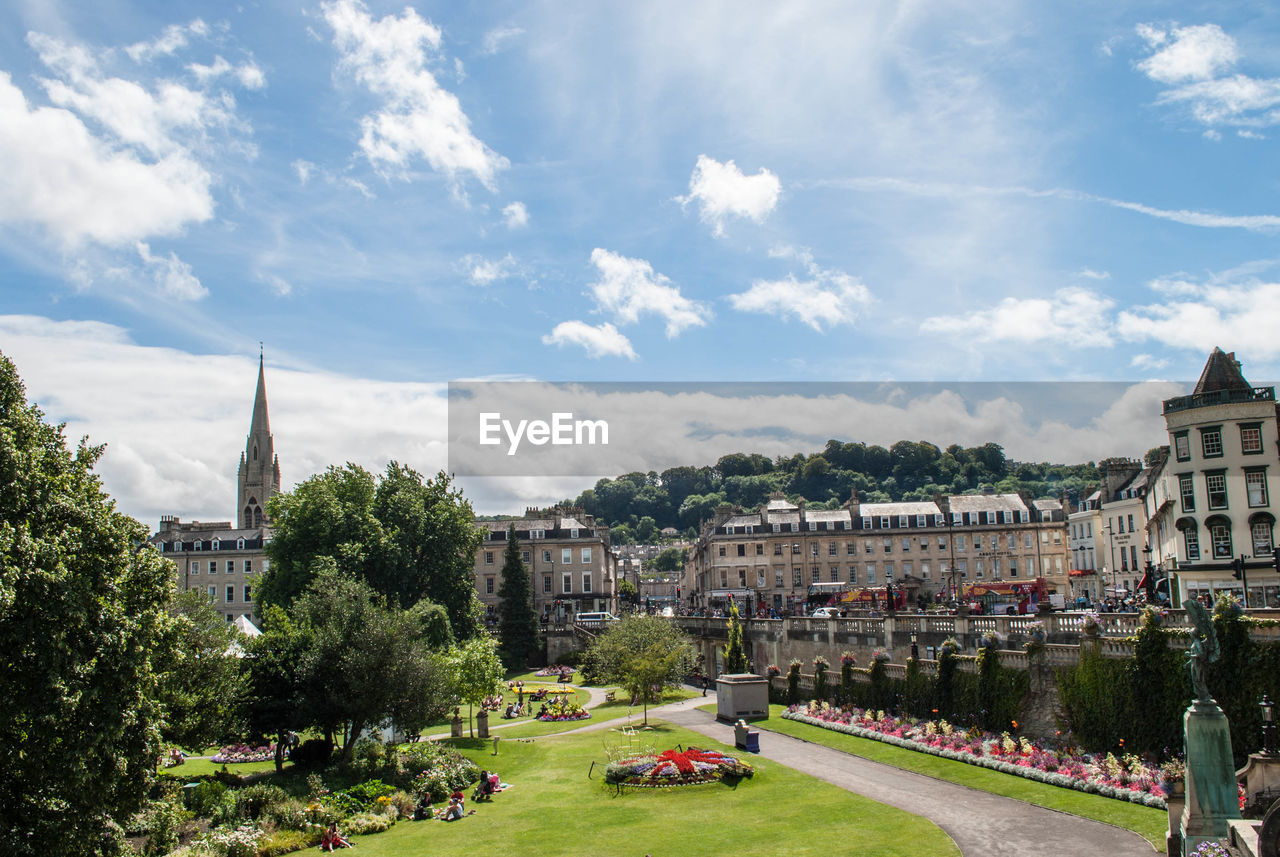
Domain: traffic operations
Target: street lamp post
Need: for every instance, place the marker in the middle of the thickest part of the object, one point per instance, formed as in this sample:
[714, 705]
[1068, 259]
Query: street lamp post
[1150, 576]
[1111, 550]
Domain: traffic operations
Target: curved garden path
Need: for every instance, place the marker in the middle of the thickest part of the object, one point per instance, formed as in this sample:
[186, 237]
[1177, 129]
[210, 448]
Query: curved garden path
[980, 823]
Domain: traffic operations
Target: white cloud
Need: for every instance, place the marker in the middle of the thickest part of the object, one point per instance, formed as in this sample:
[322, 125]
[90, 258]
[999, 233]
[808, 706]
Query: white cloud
[278, 284]
[177, 453]
[1193, 62]
[1148, 362]
[826, 299]
[629, 288]
[1201, 316]
[172, 275]
[248, 73]
[722, 191]
[1090, 274]
[516, 215]
[495, 38]
[482, 271]
[81, 188]
[169, 42]
[416, 118]
[1073, 318]
[304, 169]
[1187, 53]
[602, 340]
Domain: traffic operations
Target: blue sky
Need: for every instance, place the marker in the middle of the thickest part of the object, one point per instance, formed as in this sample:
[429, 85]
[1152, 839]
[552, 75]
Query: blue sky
[394, 196]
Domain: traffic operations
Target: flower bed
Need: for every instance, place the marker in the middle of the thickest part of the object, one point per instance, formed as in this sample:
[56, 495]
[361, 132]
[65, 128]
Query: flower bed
[236, 754]
[562, 710]
[676, 768]
[1127, 778]
[555, 670]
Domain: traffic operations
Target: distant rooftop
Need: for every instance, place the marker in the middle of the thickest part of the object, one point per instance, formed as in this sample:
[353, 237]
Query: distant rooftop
[1221, 383]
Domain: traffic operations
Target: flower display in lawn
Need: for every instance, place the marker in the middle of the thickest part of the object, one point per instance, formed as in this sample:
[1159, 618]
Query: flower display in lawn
[1125, 778]
[235, 754]
[676, 768]
[563, 709]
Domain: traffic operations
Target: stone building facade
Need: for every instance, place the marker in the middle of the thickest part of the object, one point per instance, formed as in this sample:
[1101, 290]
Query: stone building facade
[773, 557]
[1213, 499]
[571, 568]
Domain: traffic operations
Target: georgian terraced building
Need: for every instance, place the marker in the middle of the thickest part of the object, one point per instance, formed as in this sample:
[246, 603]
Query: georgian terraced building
[1213, 499]
[769, 558]
[570, 566]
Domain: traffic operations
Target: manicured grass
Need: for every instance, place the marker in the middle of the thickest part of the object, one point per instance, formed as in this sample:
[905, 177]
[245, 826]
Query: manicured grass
[559, 806]
[1152, 824]
[202, 767]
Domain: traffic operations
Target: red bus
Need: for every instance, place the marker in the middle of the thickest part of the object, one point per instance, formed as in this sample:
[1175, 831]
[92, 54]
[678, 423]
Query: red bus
[1005, 597]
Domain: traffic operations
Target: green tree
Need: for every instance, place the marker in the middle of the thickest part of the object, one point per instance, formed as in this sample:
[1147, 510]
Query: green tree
[670, 559]
[517, 622]
[627, 591]
[643, 654]
[272, 666]
[735, 657]
[477, 672]
[362, 663]
[82, 614]
[202, 682]
[408, 538]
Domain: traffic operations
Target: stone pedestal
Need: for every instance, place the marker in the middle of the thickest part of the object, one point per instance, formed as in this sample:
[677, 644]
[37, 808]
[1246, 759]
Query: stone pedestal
[1173, 839]
[455, 725]
[742, 696]
[1261, 773]
[482, 724]
[1212, 798]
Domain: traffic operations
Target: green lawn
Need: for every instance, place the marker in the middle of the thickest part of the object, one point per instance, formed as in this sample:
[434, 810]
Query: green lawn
[1149, 823]
[559, 806]
[199, 767]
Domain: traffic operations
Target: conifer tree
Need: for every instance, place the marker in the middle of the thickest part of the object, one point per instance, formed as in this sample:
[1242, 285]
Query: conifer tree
[735, 657]
[517, 622]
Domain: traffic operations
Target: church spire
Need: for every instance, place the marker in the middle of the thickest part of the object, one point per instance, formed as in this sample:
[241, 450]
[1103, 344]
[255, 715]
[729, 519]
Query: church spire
[259, 476]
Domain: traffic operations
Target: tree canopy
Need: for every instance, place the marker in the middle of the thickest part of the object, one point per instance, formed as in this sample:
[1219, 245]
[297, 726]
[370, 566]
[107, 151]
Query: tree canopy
[82, 613]
[517, 621]
[643, 654]
[202, 686]
[407, 537]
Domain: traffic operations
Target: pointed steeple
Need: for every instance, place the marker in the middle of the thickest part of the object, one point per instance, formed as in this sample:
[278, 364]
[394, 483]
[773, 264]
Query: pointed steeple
[1221, 372]
[259, 476]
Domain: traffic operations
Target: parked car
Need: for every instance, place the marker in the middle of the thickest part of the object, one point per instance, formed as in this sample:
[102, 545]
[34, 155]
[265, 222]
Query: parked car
[826, 613]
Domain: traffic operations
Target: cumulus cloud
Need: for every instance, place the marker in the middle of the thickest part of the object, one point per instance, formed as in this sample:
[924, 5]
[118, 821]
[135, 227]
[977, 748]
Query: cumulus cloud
[248, 73]
[824, 300]
[1193, 62]
[630, 288]
[177, 453]
[1074, 317]
[603, 340]
[723, 191]
[416, 118]
[1199, 316]
[1148, 362]
[482, 271]
[516, 215]
[1186, 53]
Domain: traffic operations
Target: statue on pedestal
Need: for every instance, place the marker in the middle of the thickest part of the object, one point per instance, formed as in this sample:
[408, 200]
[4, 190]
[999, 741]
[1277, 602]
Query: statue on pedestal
[1204, 649]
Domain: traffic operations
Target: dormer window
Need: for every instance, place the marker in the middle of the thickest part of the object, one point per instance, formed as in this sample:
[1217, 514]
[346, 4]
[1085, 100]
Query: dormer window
[239, 544]
[573, 534]
[198, 545]
[215, 545]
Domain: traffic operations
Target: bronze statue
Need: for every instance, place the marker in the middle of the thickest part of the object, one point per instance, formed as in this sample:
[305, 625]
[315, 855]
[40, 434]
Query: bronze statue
[1204, 648]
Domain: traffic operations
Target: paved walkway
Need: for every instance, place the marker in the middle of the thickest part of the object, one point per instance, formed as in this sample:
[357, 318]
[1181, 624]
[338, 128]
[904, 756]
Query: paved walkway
[981, 824]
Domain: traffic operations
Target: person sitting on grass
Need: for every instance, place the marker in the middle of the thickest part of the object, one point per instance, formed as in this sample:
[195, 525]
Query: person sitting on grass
[455, 810]
[484, 788]
[422, 811]
[332, 839]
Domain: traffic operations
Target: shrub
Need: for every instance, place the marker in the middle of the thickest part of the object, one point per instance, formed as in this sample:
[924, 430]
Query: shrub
[404, 803]
[289, 814]
[161, 822]
[360, 797]
[285, 841]
[254, 800]
[366, 822]
[793, 682]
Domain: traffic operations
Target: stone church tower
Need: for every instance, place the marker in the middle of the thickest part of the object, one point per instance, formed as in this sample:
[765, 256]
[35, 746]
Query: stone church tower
[259, 475]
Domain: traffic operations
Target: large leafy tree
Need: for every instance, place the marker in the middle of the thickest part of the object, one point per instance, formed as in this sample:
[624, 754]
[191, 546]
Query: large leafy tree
[517, 622]
[409, 538]
[359, 662]
[82, 612]
[644, 654]
[202, 683]
[735, 656]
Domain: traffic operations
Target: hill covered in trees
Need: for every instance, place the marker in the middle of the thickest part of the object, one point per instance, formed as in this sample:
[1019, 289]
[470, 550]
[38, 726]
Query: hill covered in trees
[637, 505]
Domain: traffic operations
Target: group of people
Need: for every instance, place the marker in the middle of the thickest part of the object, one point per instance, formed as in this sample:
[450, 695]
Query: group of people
[514, 709]
[489, 785]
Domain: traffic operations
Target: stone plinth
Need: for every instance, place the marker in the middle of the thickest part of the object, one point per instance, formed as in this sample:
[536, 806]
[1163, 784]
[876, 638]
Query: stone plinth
[482, 724]
[742, 696]
[1212, 798]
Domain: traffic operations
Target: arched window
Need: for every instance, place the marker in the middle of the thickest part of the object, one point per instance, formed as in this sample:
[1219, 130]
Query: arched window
[1220, 536]
[257, 516]
[1190, 537]
[248, 516]
[1261, 527]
